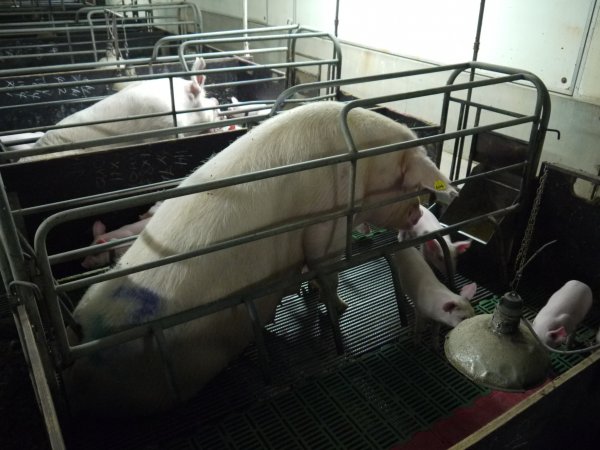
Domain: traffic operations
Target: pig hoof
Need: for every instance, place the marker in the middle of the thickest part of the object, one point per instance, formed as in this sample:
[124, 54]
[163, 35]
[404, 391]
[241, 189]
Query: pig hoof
[313, 285]
[341, 306]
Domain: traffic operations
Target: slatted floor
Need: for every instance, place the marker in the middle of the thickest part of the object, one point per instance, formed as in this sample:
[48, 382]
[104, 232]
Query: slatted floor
[383, 390]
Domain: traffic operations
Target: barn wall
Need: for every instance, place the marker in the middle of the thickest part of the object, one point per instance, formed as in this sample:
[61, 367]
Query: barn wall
[558, 40]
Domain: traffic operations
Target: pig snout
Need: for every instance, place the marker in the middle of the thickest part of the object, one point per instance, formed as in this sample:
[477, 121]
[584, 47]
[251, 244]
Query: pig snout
[413, 215]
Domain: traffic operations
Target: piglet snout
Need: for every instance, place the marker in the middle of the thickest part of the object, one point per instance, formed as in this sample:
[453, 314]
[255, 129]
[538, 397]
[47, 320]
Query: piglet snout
[414, 215]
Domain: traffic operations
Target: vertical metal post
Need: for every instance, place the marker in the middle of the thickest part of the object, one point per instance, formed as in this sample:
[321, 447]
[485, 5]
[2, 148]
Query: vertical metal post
[39, 359]
[465, 117]
[336, 22]
[163, 350]
[399, 293]
[334, 318]
[245, 26]
[173, 108]
[263, 358]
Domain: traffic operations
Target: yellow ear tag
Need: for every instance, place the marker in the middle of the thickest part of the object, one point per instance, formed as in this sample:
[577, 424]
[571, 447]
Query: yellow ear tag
[439, 185]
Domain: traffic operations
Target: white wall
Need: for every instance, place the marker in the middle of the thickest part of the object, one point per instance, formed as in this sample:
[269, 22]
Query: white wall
[558, 40]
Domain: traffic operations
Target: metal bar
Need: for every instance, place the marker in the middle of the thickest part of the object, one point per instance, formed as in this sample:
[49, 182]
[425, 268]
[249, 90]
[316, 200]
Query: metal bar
[185, 37]
[257, 329]
[593, 179]
[253, 51]
[398, 292]
[329, 294]
[346, 81]
[154, 76]
[487, 107]
[434, 91]
[153, 197]
[39, 378]
[234, 241]
[131, 8]
[352, 257]
[85, 211]
[11, 251]
[95, 198]
[165, 354]
[352, 150]
[83, 28]
[245, 24]
[257, 292]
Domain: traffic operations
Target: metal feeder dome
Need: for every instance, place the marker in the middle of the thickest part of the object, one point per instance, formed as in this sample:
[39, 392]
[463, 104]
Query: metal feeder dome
[497, 350]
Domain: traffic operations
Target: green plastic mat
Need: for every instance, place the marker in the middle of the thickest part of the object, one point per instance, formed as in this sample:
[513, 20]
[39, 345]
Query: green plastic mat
[379, 393]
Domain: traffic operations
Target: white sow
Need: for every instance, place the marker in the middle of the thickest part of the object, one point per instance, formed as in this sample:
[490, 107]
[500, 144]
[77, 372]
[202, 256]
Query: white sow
[146, 97]
[559, 318]
[131, 379]
[433, 300]
[432, 250]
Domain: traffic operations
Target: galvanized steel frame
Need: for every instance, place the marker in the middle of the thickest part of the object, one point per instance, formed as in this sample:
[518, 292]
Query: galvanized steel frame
[294, 33]
[13, 268]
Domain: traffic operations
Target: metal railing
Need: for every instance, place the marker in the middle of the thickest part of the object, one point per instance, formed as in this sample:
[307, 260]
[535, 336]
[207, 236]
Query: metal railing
[27, 88]
[14, 268]
[80, 35]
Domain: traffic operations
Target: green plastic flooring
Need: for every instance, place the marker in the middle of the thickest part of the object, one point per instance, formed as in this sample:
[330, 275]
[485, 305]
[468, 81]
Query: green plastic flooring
[379, 393]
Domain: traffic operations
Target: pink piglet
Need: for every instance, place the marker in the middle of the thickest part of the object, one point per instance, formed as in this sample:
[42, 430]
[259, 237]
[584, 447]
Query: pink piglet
[101, 237]
[566, 308]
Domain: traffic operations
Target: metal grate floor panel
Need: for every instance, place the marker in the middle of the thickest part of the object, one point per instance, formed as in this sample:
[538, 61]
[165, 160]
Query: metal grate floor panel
[383, 390]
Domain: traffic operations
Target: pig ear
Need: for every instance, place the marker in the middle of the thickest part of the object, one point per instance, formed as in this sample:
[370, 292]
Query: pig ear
[449, 306]
[98, 229]
[432, 247]
[468, 291]
[199, 64]
[558, 335]
[461, 246]
[193, 89]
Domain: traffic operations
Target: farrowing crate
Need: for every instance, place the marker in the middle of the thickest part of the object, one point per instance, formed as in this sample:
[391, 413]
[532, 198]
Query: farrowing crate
[31, 269]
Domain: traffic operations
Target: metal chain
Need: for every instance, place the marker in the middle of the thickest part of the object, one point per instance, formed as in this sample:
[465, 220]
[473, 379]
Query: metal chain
[521, 260]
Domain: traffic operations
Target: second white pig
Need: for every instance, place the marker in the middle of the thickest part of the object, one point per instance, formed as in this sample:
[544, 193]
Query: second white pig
[433, 300]
[131, 378]
[563, 312]
[146, 97]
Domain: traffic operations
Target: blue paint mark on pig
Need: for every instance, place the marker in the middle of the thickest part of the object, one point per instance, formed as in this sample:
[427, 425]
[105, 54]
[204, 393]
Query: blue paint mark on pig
[145, 303]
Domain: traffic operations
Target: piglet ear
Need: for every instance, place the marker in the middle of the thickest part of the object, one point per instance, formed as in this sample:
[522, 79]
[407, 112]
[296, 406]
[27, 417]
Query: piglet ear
[558, 335]
[199, 64]
[98, 229]
[461, 246]
[449, 306]
[433, 248]
[468, 291]
[193, 89]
